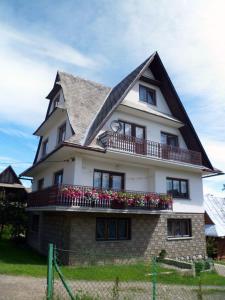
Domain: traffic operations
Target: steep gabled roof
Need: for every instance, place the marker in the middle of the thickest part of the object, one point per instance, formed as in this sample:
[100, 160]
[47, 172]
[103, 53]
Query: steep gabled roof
[215, 209]
[115, 97]
[8, 177]
[119, 92]
[83, 98]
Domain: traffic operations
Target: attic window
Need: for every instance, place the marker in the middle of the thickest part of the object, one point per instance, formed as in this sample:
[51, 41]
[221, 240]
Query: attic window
[147, 95]
[56, 101]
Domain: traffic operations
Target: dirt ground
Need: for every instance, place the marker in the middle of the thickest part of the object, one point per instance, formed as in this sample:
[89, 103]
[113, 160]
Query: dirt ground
[22, 288]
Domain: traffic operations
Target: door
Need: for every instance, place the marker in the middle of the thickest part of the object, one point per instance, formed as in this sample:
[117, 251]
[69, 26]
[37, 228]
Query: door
[140, 143]
[134, 137]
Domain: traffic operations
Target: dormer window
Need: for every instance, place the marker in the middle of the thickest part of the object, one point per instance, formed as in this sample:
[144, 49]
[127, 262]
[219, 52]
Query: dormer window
[147, 95]
[44, 148]
[62, 133]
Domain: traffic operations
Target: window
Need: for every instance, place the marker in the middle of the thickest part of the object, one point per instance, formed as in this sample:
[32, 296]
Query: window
[147, 95]
[40, 184]
[169, 139]
[177, 187]
[62, 133]
[111, 229]
[179, 228]
[55, 102]
[35, 223]
[131, 129]
[108, 180]
[44, 148]
[58, 177]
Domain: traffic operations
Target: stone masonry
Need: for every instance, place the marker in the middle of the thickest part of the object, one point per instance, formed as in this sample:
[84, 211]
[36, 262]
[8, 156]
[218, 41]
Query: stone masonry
[76, 231]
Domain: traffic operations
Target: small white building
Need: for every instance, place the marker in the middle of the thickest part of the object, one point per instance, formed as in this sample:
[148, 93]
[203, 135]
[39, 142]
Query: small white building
[135, 138]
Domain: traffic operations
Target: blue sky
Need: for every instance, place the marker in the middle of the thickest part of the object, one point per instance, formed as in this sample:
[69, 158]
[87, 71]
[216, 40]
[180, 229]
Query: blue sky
[103, 41]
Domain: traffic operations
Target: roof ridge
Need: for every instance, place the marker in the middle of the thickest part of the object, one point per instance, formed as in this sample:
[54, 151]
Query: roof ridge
[83, 79]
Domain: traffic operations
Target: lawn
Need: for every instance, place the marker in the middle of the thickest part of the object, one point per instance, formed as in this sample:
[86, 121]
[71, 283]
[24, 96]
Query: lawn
[21, 260]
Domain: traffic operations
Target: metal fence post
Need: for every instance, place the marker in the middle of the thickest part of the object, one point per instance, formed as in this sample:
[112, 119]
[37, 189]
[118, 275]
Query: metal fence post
[50, 273]
[154, 277]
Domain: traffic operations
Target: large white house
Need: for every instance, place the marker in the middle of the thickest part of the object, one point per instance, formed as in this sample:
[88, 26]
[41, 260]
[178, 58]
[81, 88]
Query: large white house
[119, 169]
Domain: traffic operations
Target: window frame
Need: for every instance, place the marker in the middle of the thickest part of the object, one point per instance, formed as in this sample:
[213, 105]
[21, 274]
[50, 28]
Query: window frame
[111, 173]
[106, 222]
[59, 172]
[44, 148]
[180, 180]
[60, 138]
[174, 221]
[55, 100]
[133, 128]
[172, 135]
[152, 91]
[40, 182]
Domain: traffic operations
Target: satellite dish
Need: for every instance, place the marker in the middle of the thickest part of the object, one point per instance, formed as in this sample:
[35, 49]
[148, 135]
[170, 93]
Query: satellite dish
[116, 126]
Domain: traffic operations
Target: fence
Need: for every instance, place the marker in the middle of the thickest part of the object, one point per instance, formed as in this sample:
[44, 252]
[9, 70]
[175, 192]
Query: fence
[120, 277]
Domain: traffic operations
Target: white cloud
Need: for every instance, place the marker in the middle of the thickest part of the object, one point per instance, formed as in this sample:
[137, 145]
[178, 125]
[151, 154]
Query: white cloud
[15, 132]
[26, 78]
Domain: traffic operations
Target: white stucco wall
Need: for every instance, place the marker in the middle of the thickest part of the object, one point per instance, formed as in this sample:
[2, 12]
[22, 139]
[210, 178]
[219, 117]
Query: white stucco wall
[52, 134]
[195, 203]
[51, 168]
[153, 129]
[133, 97]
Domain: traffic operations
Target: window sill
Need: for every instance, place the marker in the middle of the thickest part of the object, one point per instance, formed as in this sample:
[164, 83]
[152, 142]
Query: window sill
[179, 238]
[188, 199]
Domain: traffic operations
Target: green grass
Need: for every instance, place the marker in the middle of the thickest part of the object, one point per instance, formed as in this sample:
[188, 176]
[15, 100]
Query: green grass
[21, 260]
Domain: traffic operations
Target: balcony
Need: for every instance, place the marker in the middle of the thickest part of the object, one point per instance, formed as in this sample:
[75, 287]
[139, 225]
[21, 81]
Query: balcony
[133, 145]
[87, 197]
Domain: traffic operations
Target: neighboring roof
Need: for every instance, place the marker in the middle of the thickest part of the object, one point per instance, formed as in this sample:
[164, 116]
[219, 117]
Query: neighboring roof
[83, 98]
[8, 178]
[215, 209]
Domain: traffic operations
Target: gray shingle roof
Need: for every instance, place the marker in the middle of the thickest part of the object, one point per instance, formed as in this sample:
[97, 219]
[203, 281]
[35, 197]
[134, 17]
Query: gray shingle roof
[83, 99]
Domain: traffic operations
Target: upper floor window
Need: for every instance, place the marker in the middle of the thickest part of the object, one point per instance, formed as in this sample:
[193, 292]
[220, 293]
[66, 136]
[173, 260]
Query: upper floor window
[111, 229]
[55, 101]
[177, 187]
[179, 228]
[62, 133]
[108, 180]
[147, 95]
[131, 129]
[58, 177]
[40, 184]
[169, 139]
[44, 148]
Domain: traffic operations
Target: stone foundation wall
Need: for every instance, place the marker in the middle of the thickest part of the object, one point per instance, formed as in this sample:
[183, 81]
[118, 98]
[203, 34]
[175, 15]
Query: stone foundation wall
[77, 232]
[148, 237]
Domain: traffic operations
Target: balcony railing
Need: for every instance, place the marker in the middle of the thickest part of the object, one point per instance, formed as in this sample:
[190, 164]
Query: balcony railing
[129, 144]
[83, 196]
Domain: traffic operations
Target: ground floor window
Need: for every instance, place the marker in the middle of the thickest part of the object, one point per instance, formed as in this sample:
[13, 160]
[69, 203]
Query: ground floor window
[179, 227]
[35, 223]
[109, 229]
[108, 180]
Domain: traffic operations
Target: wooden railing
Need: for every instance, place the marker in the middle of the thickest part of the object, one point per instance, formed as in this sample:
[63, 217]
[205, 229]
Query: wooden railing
[134, 145]
[84, 196]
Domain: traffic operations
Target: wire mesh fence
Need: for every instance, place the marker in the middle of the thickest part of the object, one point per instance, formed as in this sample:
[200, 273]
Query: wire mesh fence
[122, 277]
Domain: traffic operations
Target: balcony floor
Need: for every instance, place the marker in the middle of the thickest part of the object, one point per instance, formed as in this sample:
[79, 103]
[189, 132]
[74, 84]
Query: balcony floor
[80, 209]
